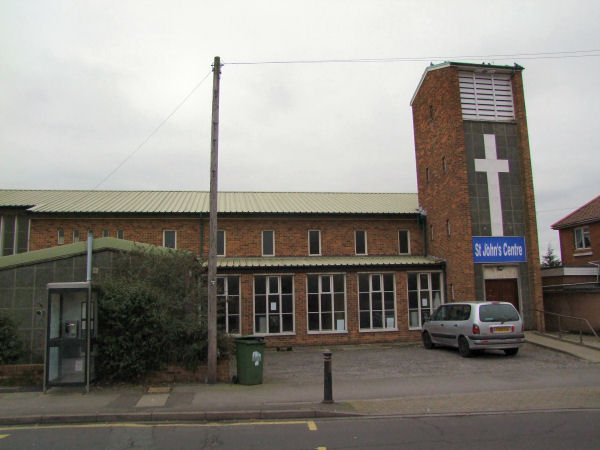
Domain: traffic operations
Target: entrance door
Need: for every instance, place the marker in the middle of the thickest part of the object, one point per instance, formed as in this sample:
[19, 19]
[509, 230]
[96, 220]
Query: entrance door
[504, 290]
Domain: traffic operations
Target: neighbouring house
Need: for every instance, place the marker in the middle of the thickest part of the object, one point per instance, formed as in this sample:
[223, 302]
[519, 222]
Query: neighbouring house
[574, 289]
[304, 268]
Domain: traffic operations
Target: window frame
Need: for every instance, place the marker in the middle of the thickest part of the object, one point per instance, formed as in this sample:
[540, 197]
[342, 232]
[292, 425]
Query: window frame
[430, 296]
[310, 242]
[224, 243]
[226, 297]
[272, 242]
[582, 234]
[174, 238]
[320, 312]
[268, 306]
[400, 252]
[383, 310]
[61, 236]
[75, 236]
[366, 251]
[120, 234]
[105, 233]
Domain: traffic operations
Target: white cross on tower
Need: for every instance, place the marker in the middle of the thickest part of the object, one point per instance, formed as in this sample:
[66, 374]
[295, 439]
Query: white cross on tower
[493, 166]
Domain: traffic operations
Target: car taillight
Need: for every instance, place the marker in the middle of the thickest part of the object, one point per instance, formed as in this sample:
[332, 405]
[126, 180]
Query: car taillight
[475, 328]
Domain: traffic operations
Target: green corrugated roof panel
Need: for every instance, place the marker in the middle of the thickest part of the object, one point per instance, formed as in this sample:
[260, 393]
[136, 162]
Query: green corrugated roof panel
[196, 202]
[68, 250]
[324, 261]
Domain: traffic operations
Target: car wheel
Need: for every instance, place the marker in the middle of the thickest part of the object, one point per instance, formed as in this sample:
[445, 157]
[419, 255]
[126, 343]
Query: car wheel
[463, 347]
[427, 342]
[511, 351]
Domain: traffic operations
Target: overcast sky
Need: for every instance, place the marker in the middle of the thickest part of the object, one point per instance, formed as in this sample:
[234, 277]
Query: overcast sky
[83, 84]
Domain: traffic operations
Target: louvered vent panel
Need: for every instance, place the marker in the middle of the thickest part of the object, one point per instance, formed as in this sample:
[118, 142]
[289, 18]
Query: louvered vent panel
[486, 96]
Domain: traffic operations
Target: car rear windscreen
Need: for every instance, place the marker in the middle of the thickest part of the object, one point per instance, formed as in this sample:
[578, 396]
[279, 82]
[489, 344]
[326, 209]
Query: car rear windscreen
[498, 313]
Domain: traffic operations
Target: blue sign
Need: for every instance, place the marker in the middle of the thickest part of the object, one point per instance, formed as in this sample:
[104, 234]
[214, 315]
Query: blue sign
[499, 249]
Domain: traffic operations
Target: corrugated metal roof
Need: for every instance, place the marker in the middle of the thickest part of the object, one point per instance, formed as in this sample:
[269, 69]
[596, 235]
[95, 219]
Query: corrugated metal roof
[324, 261]
[68, 250]
[197, 202]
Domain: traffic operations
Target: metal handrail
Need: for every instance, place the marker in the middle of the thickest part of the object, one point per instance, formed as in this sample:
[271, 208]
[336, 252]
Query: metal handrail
[571, 317]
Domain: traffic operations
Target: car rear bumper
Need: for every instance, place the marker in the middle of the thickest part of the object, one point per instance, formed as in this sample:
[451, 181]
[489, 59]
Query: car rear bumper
[497, 342]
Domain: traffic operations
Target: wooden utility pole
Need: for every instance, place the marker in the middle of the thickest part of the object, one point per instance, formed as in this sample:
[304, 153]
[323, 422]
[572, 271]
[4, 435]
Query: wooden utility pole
[212, 250]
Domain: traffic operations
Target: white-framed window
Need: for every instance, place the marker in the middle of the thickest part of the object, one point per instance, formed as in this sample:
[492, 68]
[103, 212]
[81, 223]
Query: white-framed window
[326, 302]
[273, 304]
[582, 238]
[61, 236]
[120, 234]
[376, 301]
[105, 233]
[404, 242]
[268, 243]
[424, 295]
[360, 242]
[228, 304]
[221, 243]
[314, 242]
[75, 236]
[170, 238]
[14, 235]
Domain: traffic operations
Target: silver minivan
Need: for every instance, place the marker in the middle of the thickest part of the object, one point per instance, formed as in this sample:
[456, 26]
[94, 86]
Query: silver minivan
[472, 326]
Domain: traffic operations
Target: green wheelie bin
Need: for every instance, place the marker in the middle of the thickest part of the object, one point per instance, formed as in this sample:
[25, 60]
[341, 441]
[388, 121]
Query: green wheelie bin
[249, 352]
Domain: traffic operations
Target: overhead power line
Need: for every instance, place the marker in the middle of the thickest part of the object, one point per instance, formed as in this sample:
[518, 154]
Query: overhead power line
[160, 125]
[522, 56]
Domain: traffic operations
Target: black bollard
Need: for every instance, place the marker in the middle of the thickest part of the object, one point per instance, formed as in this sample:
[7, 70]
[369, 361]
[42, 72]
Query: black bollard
[327, 389]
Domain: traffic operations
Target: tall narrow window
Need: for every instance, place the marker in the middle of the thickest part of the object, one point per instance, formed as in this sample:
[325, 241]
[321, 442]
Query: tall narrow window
[220, 242]
[61, 236]
[427, 174]
[326, 302]
[8, 235]
[170, 238]
[228, 304]
[105, 233]
[120, 234]
[360, 242]
[314, 242]
[582, 238]
[274, 304]
[431, 232]
[424, 295]
[448, 227]
[75, 236]
[404, 242]
[377, 301]
[268, 243]
[444, 165]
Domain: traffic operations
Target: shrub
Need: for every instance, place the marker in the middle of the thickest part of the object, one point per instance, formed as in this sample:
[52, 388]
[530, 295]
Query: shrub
[10, 345]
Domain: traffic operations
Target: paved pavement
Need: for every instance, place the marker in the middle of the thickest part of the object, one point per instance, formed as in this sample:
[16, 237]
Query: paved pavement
[383, 379]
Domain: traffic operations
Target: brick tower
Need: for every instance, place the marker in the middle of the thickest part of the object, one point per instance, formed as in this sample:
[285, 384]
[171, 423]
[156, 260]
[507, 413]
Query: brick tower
[475, 183]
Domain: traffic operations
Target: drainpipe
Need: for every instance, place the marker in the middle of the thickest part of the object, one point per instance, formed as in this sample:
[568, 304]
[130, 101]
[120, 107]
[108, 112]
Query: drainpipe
[90, 252]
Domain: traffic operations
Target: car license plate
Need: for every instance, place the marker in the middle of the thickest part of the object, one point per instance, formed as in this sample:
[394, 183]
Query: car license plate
[501, 329]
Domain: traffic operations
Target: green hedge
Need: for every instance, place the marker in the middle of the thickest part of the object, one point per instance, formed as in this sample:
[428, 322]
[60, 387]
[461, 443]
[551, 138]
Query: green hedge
[152, 312]
[10, 345]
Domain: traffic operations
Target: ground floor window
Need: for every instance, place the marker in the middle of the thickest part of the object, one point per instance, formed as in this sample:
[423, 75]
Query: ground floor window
[228, 304]
[326, 302]
[424, 295]
[274, 304]
[377, 304]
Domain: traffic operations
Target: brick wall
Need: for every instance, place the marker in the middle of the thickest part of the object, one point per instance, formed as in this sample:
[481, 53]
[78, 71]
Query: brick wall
[572, 257]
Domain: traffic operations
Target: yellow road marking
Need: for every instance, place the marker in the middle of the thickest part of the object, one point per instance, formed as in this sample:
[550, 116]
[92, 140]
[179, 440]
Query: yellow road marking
[2, 436]
[311, 425]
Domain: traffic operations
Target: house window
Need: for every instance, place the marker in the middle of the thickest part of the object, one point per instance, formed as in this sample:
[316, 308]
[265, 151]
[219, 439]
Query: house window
[170, 238]
[120, 234]
[582, 238]
[61, 236]
[404, 242]
[314, 242]
[268, 243]
[75, 236]
[228, 304]
[326, 302]
[360, 242]
[105, 233]
[377, 301]
[424, 295]
[220, 242]
[274, 304]
[15, 235]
